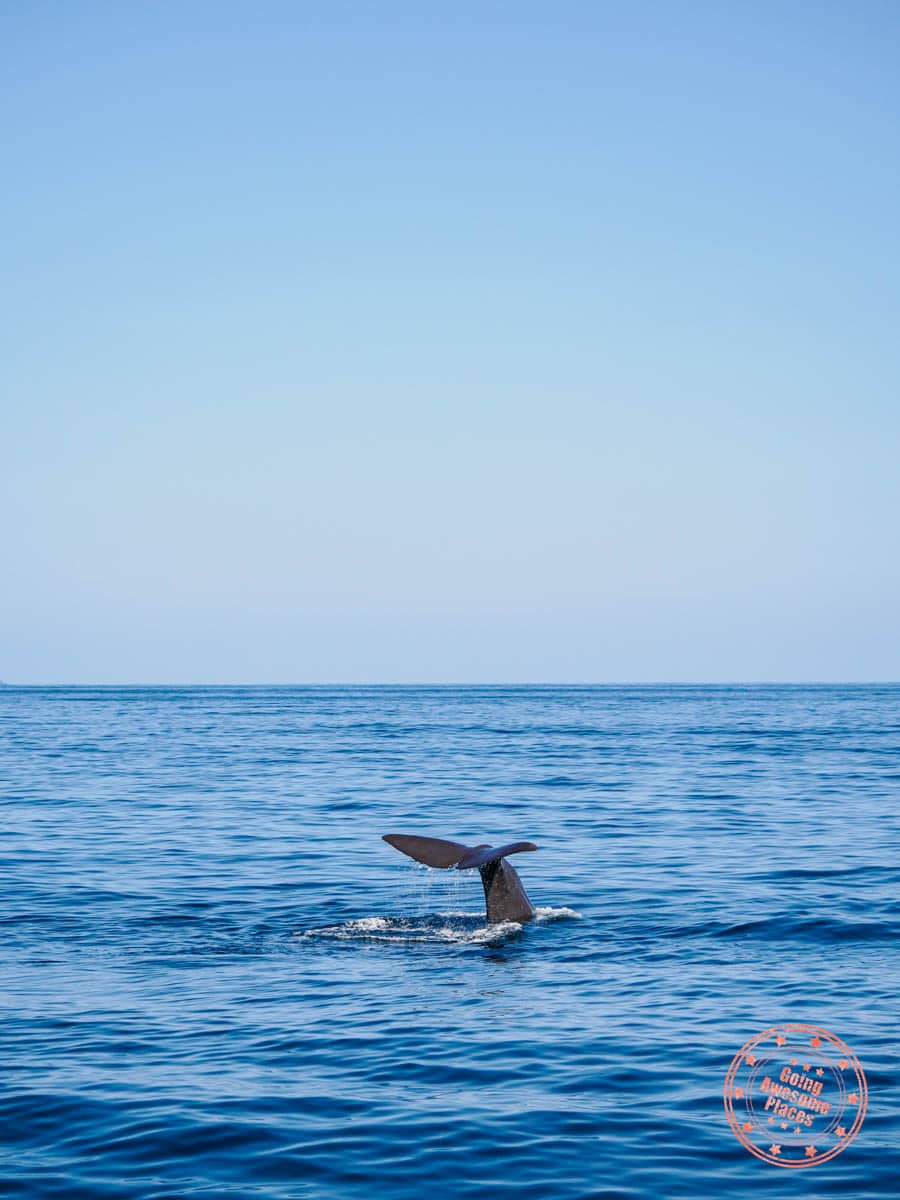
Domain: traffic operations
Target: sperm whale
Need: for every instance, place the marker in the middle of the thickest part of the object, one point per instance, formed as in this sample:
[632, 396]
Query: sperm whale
[504, 895]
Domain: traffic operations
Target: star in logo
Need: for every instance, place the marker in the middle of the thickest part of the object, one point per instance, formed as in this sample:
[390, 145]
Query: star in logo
[853, 1098]
[738, 1093]
[843, 1064]
[819, 1071]
[806, 1066]
[841, 1131]
[780, 1039]
[747, 1127]
[815, 1041]
[749, 1059]
[774, 1149]
[793, 1062]
[784, 1124]
[810, 1152]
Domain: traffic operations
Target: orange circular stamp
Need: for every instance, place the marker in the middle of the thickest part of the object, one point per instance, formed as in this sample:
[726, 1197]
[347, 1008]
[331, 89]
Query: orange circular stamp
[795, 1095]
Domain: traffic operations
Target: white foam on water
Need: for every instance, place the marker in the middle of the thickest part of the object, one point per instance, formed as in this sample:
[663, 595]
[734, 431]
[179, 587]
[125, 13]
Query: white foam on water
[367, 924]
[387, 929]
[399, 929]
[556, 914]
[487, 933]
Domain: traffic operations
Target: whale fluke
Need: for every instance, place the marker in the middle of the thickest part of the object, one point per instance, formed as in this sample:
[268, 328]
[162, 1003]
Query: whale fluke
[505, 897]
[486, 854]
[433, 852]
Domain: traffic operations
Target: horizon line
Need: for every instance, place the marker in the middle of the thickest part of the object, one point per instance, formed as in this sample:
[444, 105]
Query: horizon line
[484, 684]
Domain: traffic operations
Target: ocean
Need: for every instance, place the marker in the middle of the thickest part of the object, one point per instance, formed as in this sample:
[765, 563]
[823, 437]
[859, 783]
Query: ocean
[217, 981]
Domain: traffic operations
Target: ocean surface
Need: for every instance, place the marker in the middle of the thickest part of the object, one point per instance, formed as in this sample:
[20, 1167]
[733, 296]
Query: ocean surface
[218, 982]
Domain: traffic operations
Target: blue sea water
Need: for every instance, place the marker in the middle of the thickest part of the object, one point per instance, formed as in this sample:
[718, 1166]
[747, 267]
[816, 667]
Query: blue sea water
[218, 982]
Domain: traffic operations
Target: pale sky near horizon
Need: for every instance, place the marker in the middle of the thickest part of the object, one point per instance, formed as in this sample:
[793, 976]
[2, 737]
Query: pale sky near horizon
[462, 342]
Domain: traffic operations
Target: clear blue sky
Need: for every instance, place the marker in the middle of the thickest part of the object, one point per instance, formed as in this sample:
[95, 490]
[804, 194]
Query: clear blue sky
[450, 342]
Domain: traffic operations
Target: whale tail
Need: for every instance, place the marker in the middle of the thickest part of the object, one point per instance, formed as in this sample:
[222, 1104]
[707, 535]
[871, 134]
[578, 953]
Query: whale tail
[504, 895]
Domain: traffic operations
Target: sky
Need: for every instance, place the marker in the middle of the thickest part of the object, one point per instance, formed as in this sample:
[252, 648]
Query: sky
[452, 342]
